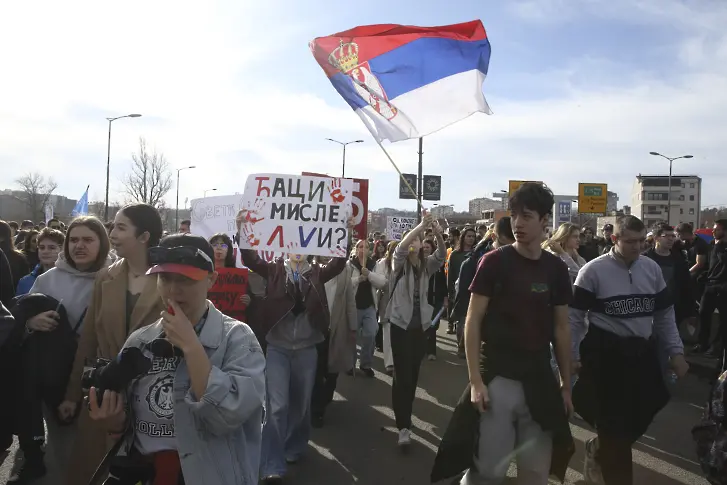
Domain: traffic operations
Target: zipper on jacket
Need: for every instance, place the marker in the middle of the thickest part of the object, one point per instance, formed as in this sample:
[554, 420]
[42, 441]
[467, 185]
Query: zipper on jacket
[631, 278]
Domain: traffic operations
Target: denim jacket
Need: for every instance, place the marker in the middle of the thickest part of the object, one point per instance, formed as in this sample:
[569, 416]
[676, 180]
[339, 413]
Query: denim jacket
[218, 436]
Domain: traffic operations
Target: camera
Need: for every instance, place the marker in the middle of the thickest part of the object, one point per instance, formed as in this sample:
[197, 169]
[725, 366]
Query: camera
[115, 375]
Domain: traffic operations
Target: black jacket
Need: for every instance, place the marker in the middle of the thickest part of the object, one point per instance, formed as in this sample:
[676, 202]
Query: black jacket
[682, 293]
[7, 288]
[46, 357]
[466, 275]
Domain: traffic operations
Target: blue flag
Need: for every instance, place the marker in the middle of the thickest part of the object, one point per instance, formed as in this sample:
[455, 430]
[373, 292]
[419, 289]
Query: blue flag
[81, 208]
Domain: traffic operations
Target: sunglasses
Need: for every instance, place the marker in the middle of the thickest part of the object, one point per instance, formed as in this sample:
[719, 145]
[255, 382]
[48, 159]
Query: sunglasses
[188, 255]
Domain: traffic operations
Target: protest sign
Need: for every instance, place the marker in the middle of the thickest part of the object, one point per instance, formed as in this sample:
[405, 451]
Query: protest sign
[359, 203]
[213, 215]
[296, 214]
[225, 294]
[397, 226]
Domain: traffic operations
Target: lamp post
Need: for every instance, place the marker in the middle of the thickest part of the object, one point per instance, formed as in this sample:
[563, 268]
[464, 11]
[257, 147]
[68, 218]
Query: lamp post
[343, 144]
[176, 217]
[205, 192]
[668, 194]
[108, 162]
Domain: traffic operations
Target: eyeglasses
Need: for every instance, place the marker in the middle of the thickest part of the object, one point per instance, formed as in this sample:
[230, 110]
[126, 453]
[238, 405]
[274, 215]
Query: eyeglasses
[220, 246]
[181, 255]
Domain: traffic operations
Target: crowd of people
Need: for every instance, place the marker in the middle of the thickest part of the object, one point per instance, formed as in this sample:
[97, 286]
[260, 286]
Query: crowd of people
[548, 324]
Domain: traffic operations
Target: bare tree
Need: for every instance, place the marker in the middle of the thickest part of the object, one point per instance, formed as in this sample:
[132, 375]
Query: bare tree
[37, 190]
[150, 178]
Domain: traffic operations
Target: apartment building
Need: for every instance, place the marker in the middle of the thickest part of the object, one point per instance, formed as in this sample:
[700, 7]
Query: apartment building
[651, 193]
[482, 204]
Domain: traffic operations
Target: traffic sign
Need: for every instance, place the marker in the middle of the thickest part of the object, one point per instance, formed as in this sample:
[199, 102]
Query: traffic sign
[592, 198]
[513, 185]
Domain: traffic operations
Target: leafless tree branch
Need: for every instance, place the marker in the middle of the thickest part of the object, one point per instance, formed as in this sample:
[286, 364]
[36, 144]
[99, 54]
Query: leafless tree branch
[150, 178]
[37, 190]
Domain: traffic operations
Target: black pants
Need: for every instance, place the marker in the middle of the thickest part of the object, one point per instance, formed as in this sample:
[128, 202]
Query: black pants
[379, 342]
[615, 458]
[431, 335]
[712, 301]
[407, 347]
[325, 383]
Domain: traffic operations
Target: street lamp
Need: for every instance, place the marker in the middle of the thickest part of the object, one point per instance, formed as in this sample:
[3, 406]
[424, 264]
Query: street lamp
[176, 217]
[205, 192]
[668, 194]
[343, 171]
[108, 162]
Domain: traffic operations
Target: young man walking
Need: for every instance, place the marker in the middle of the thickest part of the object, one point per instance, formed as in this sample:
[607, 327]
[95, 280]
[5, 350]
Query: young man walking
[675, 269]
[620, 387]
[518, 306]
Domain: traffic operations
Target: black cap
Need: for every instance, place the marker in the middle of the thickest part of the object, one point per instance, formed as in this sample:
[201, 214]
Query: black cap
[185, 254]
[177, 240]
[608, 227]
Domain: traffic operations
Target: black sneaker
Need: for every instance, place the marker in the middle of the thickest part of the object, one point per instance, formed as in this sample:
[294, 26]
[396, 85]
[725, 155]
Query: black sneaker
[273, 480]
[368, 372]
[30, 470]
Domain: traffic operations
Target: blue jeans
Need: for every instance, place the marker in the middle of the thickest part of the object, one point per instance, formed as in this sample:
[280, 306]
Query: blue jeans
[368, 326]
[289, 375]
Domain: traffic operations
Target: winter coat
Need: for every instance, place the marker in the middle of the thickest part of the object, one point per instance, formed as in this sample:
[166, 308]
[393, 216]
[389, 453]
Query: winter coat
[342, 306]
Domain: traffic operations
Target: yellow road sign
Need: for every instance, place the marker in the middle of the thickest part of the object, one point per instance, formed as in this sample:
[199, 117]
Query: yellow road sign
[592, 198]
[513, 185]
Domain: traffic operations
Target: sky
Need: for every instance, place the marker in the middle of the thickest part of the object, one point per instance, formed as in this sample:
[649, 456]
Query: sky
[580, 92]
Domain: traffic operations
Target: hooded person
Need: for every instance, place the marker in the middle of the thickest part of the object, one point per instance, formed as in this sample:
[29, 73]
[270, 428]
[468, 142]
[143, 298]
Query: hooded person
[70, 282]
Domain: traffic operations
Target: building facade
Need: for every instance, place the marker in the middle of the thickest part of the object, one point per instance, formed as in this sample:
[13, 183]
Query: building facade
[482, 204]
[650, 199]
[440, 211]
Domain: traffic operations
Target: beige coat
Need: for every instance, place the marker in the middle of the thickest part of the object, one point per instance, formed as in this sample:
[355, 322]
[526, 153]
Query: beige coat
[343, 322]
[102, 336]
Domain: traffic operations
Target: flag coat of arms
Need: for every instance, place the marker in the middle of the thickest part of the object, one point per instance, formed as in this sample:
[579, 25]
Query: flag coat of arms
[405, 81]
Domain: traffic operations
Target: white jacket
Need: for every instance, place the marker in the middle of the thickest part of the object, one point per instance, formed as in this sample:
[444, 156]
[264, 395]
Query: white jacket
[376, 278]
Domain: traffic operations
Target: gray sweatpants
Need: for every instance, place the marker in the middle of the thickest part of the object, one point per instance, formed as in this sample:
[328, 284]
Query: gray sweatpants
[507, 431]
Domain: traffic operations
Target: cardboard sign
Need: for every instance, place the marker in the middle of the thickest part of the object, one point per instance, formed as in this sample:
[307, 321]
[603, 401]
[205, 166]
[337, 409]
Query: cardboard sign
[359, 203]
[397, 226]
[297, 214]
[213, 215]
[231, 284]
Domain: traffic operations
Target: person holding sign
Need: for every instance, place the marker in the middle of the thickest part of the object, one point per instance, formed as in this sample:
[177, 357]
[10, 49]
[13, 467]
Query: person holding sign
[295, 306]
[410, 315]
[366, 282]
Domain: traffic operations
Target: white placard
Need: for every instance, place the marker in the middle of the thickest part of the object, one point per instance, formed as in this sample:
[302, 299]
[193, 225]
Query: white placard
[213, 215]
[297, 214]
[397, 226]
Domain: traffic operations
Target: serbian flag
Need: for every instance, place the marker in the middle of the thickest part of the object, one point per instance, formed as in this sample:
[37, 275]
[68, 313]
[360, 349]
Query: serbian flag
[407, 82]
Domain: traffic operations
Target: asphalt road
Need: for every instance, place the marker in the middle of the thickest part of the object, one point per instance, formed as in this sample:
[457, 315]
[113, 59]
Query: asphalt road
[358, 443]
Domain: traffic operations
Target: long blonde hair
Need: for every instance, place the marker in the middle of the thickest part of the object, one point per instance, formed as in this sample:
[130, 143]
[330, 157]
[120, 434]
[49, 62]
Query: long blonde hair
[561, 236]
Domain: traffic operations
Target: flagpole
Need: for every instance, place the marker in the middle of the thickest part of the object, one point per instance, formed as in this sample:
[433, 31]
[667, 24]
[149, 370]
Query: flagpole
[420, 181]
[406, 182]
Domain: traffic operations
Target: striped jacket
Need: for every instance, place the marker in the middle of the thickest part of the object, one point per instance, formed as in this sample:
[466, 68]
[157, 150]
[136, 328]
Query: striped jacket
[626, 301]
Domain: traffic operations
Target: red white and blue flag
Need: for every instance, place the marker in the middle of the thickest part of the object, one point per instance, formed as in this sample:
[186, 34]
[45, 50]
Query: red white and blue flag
[407, 82]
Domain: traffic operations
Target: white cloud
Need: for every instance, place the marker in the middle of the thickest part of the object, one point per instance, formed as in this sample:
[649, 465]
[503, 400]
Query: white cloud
[194, 70]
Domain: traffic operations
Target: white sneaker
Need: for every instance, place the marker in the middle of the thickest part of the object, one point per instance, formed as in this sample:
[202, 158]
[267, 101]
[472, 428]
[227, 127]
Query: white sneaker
[404, 437]
[591, 469]
[431, 357]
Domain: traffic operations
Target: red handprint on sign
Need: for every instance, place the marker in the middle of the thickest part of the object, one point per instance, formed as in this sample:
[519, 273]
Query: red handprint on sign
[249, 235]
[337, 194]
[339, 251]
[252, 214]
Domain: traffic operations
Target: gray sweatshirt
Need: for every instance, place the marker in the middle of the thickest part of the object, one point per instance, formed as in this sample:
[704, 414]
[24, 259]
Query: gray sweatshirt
[628, 302]
[73, 287]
